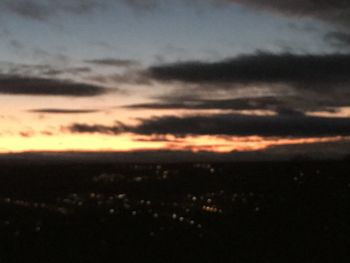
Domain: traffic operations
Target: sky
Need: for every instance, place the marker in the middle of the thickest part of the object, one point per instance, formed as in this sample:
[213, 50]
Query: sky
[219, 76]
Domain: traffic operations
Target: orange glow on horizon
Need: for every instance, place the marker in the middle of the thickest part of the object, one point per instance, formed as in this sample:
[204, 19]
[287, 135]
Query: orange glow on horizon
[128, 142]
[71, 143]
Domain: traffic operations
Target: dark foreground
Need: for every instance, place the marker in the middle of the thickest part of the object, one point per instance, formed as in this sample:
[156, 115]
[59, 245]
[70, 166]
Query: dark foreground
[240, 212]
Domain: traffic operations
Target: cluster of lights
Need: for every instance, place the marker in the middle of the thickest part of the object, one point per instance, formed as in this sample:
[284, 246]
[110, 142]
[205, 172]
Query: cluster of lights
[186, 210]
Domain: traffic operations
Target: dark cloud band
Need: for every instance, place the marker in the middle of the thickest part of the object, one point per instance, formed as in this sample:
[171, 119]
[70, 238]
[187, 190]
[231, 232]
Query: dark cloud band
[228, 124]
[261, 68]
[14, 85]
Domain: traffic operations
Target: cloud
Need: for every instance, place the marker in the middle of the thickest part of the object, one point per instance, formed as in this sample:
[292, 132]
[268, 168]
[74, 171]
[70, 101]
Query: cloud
[28, 9]
[279, 82]
[336, 12]
[59, 71]
[125, 63]
[86, 128]
[291, 104]
[241, 125]
[18, 85]
[39, 70]
[338, 39]
[43, 10]
[261, 103]
[297, 70]
[134, 77]
[280, 105]
[158, 138]
[27, 134]
[286, 81]
[292, 125]
[62, 111]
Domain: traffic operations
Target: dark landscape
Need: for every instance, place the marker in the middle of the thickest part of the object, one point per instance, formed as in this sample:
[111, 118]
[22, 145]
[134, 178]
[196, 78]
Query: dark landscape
[294, 211]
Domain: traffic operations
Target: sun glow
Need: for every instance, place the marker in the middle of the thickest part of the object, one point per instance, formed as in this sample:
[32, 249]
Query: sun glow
[73, 143]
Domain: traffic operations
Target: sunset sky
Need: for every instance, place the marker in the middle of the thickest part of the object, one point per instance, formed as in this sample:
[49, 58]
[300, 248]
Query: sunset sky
[188, 75]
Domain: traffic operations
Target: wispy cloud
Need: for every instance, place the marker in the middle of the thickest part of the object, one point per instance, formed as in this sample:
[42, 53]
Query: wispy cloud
[114, 62]
[62, 111]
